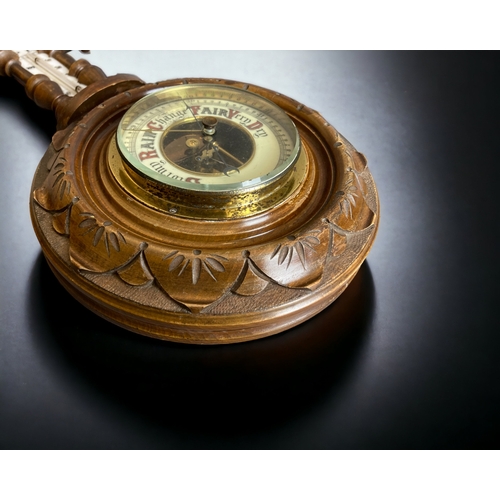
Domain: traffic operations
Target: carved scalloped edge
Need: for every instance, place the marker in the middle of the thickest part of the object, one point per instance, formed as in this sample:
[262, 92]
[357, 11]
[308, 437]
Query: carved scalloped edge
[230, 301]
[293, 246]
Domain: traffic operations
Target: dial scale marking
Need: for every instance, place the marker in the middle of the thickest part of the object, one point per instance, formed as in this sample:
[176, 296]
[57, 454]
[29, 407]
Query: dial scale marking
[170, 115]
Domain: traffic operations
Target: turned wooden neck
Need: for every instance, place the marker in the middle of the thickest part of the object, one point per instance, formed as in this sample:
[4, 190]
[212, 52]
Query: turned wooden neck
[85, 85]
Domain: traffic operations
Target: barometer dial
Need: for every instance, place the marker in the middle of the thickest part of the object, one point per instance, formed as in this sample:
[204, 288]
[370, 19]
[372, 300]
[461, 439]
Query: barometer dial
[208, 138]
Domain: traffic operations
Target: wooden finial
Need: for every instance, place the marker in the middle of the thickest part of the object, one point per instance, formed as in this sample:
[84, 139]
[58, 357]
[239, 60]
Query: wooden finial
[81, 69]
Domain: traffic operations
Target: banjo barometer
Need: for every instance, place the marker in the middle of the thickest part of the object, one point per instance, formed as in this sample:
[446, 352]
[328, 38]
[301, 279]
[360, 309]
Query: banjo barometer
[193, 210]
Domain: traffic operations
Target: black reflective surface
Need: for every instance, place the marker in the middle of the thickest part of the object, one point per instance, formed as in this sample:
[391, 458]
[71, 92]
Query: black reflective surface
[406, 358]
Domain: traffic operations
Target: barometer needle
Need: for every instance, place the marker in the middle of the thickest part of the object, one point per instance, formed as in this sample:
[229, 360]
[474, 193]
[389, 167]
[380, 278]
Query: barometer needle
[218, 147]
[228, 167]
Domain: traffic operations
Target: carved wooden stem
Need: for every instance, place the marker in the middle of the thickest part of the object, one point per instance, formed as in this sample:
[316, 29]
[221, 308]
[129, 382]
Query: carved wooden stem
[39, 88]
[95, 86]
[81, 69]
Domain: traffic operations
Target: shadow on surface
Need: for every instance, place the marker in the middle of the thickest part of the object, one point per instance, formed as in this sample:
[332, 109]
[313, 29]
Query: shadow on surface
[216, 390]
[13, 94]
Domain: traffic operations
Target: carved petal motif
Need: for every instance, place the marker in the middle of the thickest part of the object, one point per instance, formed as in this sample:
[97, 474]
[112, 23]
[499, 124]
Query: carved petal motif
[184, 273]
[56, 193]
[297, 261]
[97, 245]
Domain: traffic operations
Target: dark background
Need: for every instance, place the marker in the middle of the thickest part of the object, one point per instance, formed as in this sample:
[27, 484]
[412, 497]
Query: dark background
[407, 358]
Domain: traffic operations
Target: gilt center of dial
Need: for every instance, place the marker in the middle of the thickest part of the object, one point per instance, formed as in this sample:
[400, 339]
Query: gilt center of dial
[218, 147]
[208, 138]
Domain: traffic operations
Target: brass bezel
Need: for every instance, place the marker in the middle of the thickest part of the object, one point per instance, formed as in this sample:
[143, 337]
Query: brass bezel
[212, 205]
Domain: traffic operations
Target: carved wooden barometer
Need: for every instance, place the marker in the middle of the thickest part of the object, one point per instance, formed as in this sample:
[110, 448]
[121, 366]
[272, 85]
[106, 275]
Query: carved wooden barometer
[193, 210]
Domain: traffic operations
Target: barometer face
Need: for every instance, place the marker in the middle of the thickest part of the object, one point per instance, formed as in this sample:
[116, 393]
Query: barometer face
[208, 137]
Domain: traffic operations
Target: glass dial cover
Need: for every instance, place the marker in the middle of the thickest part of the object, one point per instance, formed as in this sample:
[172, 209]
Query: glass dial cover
[207, 137]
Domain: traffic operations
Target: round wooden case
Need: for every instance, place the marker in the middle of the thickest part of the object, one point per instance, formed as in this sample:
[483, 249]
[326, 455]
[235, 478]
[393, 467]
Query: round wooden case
[117, 247]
